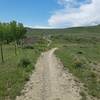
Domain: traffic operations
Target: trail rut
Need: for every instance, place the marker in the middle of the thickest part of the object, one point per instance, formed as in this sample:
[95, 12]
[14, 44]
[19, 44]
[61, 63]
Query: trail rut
[49, 81]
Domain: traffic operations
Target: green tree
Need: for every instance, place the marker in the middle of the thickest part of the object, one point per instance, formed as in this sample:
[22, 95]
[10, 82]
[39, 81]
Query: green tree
[18, 31]
[13, 31]
[21, 31]
[8, 33]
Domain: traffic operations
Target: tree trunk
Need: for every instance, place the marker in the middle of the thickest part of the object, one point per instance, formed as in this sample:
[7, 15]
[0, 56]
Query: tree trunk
[2, 57]
[15, 48]
[22, 43]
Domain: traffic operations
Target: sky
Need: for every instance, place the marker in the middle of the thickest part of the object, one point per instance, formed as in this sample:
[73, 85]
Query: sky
[51, 13]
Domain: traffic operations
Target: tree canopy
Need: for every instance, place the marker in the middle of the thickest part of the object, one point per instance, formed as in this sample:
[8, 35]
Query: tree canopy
[11, 32]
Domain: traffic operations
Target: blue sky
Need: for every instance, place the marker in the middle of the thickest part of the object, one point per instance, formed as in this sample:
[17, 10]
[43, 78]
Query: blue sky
[51, 13]
[30, 12]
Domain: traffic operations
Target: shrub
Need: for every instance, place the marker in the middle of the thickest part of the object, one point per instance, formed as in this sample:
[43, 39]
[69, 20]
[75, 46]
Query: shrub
[24, 62]
[83, 95]
[78, 63]
[28, 47]
[93, 75]
[79, 52]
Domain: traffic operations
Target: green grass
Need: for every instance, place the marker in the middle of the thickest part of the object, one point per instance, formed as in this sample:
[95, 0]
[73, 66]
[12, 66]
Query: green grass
[78, 58]
[12, 76]
[79, 50]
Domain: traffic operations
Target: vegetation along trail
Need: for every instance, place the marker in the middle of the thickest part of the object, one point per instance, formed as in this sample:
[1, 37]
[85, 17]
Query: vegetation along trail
[50, 82]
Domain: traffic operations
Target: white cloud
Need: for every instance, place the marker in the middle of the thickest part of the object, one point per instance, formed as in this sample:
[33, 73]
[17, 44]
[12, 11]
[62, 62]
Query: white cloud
[69, 3]
[86, 14]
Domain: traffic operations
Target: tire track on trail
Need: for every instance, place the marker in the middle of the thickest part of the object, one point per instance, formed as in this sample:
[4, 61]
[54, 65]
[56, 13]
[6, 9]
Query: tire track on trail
[49, 81]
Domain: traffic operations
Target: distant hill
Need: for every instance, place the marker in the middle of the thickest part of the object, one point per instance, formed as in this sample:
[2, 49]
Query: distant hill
[89, 29]
[75, 34]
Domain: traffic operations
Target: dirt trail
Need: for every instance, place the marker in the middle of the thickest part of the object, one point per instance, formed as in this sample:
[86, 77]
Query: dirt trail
[50, 81]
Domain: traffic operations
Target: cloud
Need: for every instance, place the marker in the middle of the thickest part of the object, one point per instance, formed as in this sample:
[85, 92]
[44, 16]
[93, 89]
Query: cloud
[76, 13]
[73, 3]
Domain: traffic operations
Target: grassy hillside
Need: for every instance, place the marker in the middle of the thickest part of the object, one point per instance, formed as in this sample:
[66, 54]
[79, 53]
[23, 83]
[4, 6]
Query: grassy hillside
[89, 29]
[79, 51]
[76, 34]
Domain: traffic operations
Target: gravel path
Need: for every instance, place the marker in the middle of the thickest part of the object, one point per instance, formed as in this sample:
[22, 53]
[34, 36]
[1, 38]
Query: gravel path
[50, 82]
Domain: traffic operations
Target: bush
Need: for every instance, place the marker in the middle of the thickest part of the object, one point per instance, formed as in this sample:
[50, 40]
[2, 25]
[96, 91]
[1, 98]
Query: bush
[78, 63]
[79, 52]
[83, 95]
[28, 47]
[24, 62]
